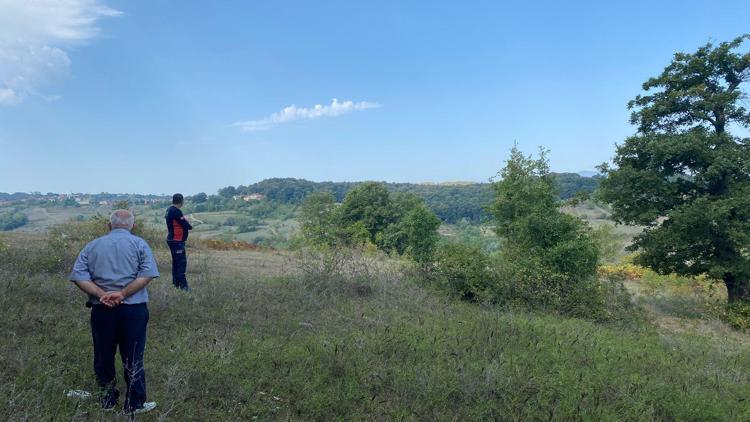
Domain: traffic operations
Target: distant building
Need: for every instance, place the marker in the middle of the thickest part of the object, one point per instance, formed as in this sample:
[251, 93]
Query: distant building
[254, 197]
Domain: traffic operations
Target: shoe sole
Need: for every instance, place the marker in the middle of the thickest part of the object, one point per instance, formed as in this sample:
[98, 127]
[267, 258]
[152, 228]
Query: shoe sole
[139, 411]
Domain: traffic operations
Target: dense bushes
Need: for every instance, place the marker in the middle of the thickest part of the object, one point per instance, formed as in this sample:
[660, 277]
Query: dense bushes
[737, 315]
[526, 283]
[548, 259]
[10, 220]
[550, 256]
[464, 270]
[399, 224]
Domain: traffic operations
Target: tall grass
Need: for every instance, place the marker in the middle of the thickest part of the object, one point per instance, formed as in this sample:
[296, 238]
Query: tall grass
[306, 347]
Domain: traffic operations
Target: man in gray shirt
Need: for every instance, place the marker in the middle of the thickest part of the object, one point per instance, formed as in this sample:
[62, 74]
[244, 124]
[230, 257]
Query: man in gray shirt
[114, 271]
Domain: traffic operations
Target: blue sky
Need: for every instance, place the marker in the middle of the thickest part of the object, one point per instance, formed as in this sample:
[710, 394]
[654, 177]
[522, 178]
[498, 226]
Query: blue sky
[167, 96]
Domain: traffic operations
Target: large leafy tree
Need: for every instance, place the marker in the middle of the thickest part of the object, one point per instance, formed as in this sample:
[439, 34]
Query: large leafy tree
[414, 230]
[684, 176]
[370, 204]
[318, 219]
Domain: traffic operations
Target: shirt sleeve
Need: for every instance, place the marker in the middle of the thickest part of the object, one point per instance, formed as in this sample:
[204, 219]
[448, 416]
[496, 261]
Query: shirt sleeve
[185, 224]
[146, 262]
[183, 221]
[81, 270]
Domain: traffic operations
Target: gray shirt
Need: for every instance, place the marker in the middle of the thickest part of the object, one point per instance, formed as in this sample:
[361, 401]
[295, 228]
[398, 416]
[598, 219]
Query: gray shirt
[113, 261]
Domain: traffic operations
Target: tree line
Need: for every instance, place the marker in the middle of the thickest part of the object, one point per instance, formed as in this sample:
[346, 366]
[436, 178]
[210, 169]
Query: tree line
[450, 202]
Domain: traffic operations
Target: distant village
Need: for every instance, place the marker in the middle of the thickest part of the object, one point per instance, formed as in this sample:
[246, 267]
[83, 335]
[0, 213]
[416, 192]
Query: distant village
[100, 199]
[79, 198]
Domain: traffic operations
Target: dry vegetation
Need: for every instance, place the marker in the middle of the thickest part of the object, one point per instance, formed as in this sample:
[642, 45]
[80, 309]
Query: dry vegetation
[272, 335]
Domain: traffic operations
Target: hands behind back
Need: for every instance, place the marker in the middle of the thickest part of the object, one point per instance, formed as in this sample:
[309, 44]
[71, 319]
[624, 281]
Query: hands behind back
[112, 299]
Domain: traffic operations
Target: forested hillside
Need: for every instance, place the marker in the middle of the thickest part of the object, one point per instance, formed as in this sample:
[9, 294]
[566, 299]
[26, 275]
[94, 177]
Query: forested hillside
[449, 201]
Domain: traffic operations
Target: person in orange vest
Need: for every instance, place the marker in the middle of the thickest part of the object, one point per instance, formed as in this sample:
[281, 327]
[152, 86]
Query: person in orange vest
[178, 229]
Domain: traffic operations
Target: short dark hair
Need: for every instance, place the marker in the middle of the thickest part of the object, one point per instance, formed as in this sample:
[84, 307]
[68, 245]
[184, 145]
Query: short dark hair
[177, 198]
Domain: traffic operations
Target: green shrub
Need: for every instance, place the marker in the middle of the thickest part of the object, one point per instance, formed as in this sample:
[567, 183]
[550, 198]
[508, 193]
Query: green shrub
[399, 224]
[526, 283]
[246, 227]
[12, 220]
[351, 271]
[463, 270]
[737, 315]
[549, 258]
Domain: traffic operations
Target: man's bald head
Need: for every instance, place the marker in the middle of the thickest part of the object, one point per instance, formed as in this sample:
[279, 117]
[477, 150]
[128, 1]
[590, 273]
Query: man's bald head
[122, 219]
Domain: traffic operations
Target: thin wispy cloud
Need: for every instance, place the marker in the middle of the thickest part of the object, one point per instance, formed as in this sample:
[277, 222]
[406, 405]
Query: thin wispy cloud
[293, 113]
[33, 37]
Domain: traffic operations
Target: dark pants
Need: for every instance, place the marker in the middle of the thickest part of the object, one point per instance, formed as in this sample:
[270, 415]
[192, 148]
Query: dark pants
[179, 264]
[122, 327]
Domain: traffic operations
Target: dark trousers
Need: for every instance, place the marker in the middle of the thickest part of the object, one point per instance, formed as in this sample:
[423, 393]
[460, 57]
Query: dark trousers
[179, 264]
[122, 327]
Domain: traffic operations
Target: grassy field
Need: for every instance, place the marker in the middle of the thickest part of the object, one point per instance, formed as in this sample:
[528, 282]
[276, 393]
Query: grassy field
[279, 229]
[275, 232]
[265, 337]
[42, 218]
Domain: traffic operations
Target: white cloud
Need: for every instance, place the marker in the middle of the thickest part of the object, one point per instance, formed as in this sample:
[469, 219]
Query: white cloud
[33, 36]
[292, 113]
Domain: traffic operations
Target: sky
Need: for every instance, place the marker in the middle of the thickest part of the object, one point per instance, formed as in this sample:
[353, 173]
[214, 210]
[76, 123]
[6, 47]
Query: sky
[160, 96]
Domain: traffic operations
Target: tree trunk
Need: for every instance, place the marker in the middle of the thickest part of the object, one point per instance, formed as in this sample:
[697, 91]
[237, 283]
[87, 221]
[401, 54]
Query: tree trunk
[737, 290]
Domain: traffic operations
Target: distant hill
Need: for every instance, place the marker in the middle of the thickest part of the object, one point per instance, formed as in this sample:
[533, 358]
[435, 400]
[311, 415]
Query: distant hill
[451, 201]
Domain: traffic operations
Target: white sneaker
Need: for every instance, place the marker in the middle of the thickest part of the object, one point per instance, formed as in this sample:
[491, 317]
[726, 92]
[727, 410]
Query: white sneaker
[147, 407]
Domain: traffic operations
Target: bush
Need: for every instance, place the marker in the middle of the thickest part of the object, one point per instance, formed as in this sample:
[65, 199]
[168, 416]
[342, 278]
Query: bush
[463, 270]
[622, 271]
[398, 224]
[351, 271]
[524, 282]
[737, 315]
[549, 258]
[246, 227]
[12, 220]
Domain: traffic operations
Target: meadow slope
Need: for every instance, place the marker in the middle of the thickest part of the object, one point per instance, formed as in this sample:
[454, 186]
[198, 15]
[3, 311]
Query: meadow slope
[266, 342]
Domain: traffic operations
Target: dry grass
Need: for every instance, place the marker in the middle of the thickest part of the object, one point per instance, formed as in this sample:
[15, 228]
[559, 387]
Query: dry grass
[358, 344]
